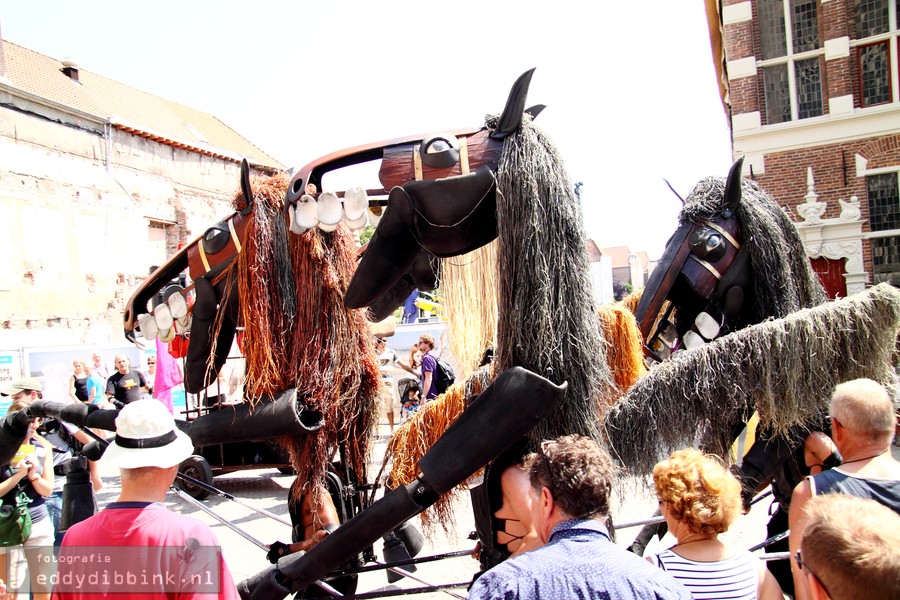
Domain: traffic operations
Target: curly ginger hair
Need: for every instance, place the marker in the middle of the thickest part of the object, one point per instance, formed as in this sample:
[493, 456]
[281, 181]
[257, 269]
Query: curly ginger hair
[701, 493]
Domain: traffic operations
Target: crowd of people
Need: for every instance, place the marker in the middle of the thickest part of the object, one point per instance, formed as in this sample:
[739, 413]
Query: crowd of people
[844, 518]
[406, 379]
[46, 456]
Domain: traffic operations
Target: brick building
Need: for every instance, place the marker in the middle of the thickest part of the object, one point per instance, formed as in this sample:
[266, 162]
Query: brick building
[98, 182]
[813, 96]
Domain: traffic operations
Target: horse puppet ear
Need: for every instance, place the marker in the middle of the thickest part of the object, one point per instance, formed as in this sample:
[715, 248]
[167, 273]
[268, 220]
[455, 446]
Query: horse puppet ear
[511, 117]
[733, 185]
[246, 189]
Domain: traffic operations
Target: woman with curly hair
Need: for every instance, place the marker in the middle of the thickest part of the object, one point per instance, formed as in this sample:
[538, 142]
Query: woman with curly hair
[700, 499]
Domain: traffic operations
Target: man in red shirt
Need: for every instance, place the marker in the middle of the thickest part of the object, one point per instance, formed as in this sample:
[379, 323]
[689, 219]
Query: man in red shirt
[136, 548]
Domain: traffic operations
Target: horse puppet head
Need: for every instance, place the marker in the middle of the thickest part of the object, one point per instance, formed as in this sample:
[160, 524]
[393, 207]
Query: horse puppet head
[735, 260]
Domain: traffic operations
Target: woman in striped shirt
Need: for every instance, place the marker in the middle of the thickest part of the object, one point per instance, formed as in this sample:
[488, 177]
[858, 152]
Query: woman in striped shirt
[700, 499]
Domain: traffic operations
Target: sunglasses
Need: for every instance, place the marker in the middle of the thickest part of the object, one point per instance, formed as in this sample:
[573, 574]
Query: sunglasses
[798, 556]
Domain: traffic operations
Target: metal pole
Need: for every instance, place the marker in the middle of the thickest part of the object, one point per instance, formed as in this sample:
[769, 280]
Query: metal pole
[639, 523]
[411, 561]
[389, 593]
[406, 573]
[225, 494]
[775, 538]
[774, 556]
[184, 496]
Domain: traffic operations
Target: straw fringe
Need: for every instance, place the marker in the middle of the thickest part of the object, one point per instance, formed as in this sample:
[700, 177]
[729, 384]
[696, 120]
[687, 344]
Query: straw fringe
[625, 354]
[784, 368]
[469, 299]
[413, 439]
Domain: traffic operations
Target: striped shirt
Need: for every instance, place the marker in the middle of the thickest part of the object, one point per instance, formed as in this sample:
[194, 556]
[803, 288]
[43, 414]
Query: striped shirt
[734, 578]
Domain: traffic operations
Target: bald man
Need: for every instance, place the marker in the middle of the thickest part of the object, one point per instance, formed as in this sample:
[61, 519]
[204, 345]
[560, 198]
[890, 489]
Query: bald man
[862, 427]
[126, 384]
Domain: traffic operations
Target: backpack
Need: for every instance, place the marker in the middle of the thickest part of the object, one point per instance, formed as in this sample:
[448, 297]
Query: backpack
[444, 375]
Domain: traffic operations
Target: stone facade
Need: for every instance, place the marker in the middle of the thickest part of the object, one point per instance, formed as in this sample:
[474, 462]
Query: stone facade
[88, 209]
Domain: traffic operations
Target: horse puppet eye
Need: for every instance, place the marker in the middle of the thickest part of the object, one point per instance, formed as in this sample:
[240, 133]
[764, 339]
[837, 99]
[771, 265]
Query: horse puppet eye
[707, 243]
[215, 238]
[440, 151]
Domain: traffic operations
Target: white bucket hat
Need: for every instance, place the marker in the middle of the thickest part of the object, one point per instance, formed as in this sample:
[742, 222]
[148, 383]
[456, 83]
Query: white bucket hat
[146, 436]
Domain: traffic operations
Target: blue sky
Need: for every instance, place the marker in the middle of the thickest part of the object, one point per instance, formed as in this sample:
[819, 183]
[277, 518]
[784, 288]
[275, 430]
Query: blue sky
[630, 87]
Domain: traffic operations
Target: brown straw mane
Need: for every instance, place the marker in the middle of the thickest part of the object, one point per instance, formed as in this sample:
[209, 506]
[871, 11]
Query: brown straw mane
[298, 333]
[413, 439]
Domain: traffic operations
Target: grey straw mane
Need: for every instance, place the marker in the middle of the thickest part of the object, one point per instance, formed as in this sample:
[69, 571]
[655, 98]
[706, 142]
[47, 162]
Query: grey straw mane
[785, 368]
[546, 320]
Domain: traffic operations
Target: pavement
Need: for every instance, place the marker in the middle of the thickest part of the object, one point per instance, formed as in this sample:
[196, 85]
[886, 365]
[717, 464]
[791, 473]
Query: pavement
[268, 488]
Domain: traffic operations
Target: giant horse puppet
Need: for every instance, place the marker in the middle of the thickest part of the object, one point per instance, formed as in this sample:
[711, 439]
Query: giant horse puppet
[735, 304]
[451, 193]
[444, 194]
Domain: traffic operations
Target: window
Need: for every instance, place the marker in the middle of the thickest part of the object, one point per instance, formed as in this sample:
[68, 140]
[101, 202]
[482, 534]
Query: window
[792, 58]
[884, 215]
[876, 44]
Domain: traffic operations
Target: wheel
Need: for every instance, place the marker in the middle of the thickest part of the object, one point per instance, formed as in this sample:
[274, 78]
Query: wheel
[196, 467]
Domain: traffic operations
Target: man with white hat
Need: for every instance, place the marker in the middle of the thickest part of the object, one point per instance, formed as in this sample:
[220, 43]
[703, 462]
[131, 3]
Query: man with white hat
[136, 547]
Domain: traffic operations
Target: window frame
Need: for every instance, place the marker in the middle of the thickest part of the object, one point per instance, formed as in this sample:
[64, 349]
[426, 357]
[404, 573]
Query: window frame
[790, 60]
[873, 235]
[890, 36]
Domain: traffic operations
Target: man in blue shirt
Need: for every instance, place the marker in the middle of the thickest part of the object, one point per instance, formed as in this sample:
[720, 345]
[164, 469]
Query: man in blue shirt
[571, 480]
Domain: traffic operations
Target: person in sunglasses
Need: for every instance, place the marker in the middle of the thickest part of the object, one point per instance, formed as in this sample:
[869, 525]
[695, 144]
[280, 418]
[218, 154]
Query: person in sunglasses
[850, 549]
[862, 427]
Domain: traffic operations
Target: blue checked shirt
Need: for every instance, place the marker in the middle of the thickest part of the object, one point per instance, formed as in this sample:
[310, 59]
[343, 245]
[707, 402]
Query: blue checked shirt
[579, 561]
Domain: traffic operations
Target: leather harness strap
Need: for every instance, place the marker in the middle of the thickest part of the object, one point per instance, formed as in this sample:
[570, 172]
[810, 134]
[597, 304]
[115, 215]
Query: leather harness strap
[234, 235]
[707, 266]
[203, 258]
[725, 234]
[464, 156]
[417, 162]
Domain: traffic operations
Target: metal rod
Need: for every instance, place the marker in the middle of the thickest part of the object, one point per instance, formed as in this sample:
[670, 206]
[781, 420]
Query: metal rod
[775, 538]
[649, 521]
[409, 591]
[652, 520]
[185, 496]
[774, 556]
[328, 589]
[210, 488]
[225, 494]
[765, 494]
[406, 573]
[96, 437]
[410, 561]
